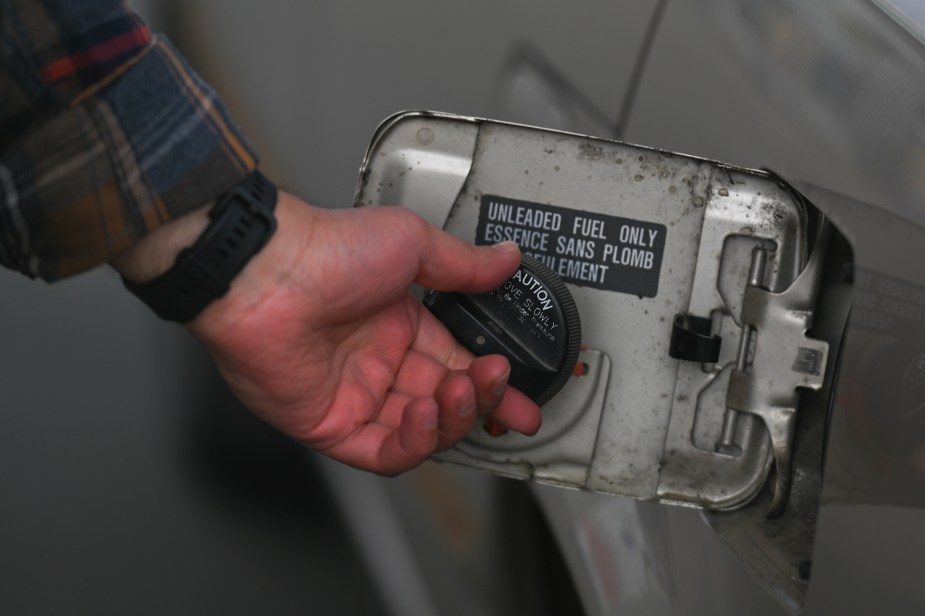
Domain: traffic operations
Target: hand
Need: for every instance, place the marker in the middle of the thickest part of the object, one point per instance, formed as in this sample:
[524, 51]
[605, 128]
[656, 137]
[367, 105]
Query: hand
[320, 337]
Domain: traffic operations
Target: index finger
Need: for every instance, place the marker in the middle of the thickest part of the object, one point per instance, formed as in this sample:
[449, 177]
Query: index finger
[435, 340]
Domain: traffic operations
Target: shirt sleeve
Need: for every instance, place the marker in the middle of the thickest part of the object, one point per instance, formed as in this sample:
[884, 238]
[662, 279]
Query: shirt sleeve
[105, 135]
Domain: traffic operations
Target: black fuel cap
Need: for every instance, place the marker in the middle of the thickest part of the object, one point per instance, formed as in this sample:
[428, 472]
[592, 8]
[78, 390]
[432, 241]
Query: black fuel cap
[531, 319]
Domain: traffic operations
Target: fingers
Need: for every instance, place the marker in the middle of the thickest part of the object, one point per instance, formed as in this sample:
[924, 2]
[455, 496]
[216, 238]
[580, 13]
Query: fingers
[409, 429]
[458, 405]
[518, 413]
[462, 395]
[483, 383]
[504, 404]
[416, 437]
[392, 449]
[448, 263]
[482, 389]
[435, 340]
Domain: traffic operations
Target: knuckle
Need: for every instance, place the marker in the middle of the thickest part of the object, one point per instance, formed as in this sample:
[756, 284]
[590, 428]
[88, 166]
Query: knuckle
[410, 221]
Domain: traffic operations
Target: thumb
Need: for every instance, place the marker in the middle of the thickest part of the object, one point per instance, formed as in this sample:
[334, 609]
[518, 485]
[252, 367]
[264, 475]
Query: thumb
[447, 263]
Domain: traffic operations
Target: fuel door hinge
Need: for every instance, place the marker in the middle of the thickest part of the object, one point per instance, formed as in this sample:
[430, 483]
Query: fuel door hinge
[775, 360]
[752, 300]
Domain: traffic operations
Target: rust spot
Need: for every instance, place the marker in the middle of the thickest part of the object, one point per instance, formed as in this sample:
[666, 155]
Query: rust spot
[581, 369]
[493, 428]
[590, 152]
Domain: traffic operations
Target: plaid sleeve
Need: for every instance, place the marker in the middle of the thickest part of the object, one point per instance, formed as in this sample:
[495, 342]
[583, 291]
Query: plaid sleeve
[105, 134]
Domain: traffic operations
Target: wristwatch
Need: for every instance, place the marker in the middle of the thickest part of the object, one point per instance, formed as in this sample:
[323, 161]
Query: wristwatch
[241, 223]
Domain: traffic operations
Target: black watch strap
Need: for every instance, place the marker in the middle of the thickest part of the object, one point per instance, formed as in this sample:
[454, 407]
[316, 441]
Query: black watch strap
[241, 222]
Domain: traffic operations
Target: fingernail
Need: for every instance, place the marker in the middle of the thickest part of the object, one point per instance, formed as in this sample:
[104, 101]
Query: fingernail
[466, 406]
[507, 247]
[431, 417]
[498, 392]
[500, 386]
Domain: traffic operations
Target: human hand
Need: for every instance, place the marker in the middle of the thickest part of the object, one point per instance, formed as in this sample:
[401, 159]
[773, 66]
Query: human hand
[320, 337]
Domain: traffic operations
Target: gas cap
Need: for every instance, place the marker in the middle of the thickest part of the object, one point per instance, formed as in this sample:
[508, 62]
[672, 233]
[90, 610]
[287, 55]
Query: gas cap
[531, 319]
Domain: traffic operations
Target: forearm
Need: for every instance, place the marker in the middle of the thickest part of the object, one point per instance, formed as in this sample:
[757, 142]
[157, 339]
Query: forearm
[102, 140]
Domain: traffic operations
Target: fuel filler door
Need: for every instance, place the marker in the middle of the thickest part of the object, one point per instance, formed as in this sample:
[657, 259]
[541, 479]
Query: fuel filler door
[695, 283]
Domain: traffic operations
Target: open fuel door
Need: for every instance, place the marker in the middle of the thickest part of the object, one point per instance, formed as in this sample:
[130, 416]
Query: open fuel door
[695, 282]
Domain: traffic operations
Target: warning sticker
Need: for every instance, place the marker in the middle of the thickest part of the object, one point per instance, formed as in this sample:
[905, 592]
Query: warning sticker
[584, 248]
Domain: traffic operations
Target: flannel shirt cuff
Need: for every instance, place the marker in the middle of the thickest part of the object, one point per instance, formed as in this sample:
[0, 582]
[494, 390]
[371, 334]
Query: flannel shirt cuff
[149, 145]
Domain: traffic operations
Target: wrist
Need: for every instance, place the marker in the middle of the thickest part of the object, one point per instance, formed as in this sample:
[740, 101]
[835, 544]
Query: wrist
[266, 274]
[238, 226]
[156, 252]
